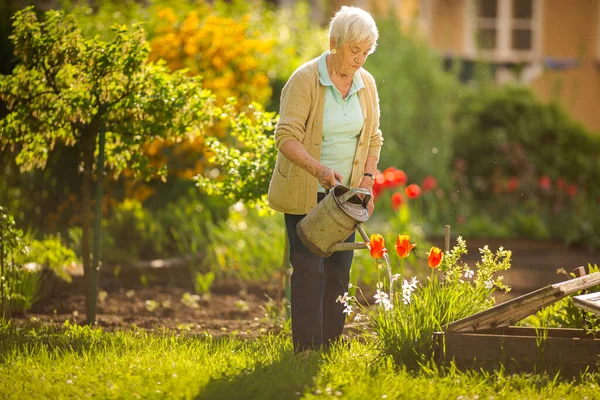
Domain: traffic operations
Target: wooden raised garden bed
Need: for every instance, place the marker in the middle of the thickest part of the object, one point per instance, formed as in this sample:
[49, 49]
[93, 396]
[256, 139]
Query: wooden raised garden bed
[487, 340]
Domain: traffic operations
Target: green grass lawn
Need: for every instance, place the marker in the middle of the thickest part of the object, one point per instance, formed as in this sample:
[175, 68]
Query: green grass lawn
[76, 362]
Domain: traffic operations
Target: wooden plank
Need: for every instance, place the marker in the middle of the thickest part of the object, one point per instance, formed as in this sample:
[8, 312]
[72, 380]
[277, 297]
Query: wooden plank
[514, 310]
[519, 353]
[588, 302]
[570, 333]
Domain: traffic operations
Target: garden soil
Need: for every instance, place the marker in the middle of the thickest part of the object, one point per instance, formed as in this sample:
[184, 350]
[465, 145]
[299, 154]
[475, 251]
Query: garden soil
[230, 309]
[155, 299]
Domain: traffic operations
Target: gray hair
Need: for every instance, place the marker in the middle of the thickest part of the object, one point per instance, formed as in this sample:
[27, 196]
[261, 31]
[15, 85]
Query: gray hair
[352, 24]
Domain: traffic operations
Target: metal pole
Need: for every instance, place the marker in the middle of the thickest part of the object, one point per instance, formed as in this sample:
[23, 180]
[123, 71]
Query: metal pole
[91, 314]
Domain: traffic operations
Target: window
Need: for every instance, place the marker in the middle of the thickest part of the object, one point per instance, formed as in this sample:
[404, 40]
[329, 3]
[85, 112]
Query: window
[504, 30]
[522, 25]
[487, 15]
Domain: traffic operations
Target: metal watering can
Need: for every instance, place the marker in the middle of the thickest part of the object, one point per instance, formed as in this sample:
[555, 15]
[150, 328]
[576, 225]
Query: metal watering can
[324, 230]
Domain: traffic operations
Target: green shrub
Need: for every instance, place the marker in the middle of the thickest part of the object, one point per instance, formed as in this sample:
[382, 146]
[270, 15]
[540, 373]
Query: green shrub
[132, 233]
[247, 246]
[527, 165]
[416, 98]
[25, 262]
[507, 132]
[50, 254]
[11, 245]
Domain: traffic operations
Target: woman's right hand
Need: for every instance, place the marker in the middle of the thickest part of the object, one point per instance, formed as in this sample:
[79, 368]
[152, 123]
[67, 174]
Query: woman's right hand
[328, 178]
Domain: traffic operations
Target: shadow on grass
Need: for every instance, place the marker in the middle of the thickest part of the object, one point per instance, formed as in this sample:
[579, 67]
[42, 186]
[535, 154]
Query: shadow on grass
[287, 378]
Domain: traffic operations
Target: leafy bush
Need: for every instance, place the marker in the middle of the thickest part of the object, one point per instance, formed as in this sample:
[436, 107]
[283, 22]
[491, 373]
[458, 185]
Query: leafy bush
[514, 152]
[11, 244]
[222, 49]
[506, 131]
[25, 262]
[247, 246]
[132, 233]
[50, 254]
[416, 99]
[246, 167]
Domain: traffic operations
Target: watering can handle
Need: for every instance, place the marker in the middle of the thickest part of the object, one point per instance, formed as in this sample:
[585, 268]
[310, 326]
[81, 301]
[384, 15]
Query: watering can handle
[362, 232]
[352, 192]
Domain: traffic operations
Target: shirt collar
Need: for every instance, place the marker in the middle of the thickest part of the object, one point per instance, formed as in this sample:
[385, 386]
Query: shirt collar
[325, 79]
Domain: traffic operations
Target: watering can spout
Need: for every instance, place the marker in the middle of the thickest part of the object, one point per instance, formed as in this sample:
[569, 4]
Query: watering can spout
[325, 229]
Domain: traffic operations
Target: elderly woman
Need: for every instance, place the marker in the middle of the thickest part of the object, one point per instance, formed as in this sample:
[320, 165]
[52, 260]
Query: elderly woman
[328, 130]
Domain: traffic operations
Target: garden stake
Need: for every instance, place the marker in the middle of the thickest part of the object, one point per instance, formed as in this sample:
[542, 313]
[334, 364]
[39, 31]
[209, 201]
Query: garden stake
[91, 312]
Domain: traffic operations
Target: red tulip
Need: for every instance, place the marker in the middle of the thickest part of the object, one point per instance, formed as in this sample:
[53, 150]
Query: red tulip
[377, 246]
[560, 184]
[400, 177]
[379, 179]
[435, 257]
[394, 177]
[545, 182]
[571, 190]
[429, 183]
[412, 191]
[389, 174]
[397, 201]
[403, 246]
[513, 184]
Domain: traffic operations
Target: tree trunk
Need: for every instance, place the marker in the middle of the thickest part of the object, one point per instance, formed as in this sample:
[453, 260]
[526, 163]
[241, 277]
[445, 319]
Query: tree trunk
[88, 145]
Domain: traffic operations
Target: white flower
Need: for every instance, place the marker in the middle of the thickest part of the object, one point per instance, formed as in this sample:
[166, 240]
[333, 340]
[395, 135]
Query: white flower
[407, 289]
[32, 267]
[489, 284]
[359, 317]
[383, 299]
[348, 309]
[342, 299]
[395, 277]
[469, 273]
[387, 306]
[380, 296]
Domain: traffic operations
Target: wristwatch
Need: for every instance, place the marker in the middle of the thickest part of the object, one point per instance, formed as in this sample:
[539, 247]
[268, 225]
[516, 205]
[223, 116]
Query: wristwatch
[369, 175]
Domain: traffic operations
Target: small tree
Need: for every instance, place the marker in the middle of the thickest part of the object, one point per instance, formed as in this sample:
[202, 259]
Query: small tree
[67, 89]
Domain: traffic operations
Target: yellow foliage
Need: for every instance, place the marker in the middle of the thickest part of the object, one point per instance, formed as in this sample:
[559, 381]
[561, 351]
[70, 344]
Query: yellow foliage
[230, 58]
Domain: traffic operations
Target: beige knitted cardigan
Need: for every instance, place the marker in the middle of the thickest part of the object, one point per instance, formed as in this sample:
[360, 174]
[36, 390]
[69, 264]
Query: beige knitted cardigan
[292, 190]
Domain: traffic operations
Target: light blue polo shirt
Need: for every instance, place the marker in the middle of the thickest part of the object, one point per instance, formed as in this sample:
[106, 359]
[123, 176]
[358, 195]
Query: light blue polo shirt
[342, 122]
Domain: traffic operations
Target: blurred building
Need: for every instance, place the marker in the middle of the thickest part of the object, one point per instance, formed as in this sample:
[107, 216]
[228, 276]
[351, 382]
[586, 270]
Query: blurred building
[553, 46]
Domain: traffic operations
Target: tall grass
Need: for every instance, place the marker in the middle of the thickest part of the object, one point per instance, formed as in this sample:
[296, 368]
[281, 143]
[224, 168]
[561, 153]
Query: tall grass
[80, 362]
[406, 331]
[452, 292]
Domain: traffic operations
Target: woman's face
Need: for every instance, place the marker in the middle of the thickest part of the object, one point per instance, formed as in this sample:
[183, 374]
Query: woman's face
[351, 56]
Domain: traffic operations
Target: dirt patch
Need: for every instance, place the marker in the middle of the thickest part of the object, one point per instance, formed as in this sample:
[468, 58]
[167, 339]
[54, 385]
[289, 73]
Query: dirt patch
[247, 313]
[127, 303]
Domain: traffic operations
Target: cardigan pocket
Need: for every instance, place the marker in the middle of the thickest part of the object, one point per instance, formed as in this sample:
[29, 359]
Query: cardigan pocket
[285, 167]
[283, 193]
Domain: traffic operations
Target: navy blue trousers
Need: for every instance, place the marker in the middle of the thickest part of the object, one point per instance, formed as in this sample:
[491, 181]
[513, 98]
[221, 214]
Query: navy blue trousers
[316, 283]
